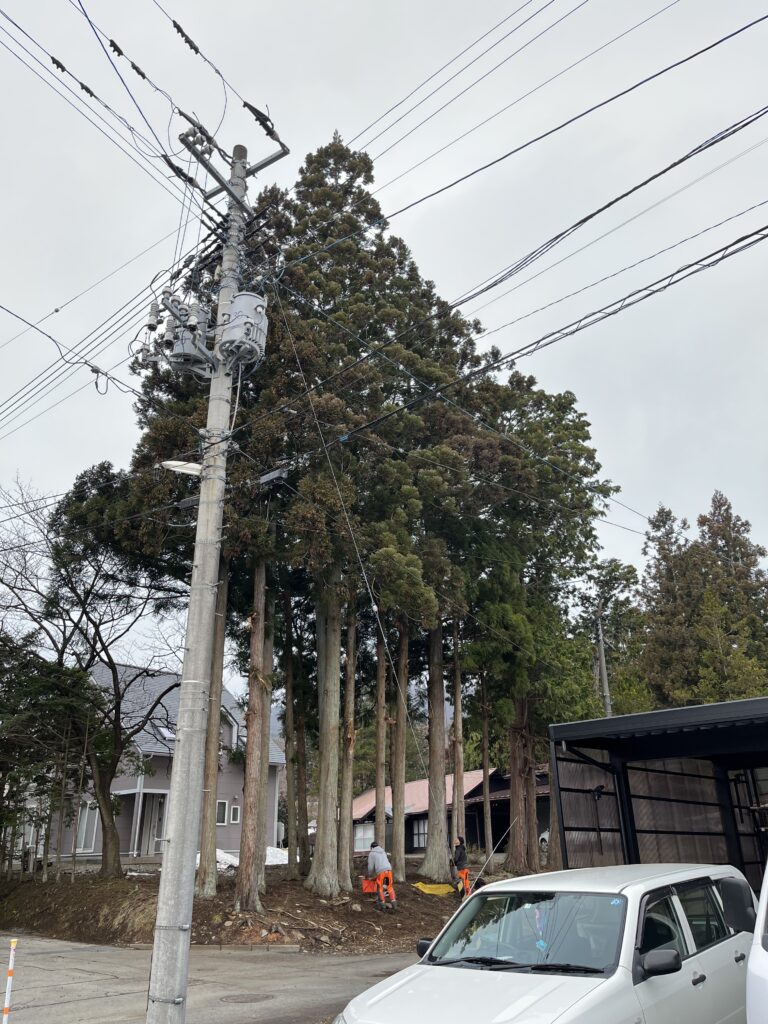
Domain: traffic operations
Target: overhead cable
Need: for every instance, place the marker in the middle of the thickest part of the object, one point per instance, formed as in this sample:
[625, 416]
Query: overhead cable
[547, 81]
[465, 67]
[580, 116]
[434, 74]
[482, 78]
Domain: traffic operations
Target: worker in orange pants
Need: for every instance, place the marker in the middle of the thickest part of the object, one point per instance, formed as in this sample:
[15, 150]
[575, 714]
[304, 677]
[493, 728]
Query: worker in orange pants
[464, 883]
[380, 870]
[460, 865]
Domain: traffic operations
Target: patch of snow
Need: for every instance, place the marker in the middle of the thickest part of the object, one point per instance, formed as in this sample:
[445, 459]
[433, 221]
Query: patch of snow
[229, 861]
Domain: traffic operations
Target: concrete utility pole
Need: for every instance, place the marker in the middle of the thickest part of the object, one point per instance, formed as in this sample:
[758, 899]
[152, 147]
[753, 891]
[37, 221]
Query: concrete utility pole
[170, 958]
[605, 692]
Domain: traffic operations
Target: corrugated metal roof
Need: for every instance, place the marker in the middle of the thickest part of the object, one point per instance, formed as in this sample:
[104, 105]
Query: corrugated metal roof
[142, 688]
[416, 795]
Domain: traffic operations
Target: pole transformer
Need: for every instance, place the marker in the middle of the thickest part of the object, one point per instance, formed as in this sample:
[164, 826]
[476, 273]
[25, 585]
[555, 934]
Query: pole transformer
[237, 340]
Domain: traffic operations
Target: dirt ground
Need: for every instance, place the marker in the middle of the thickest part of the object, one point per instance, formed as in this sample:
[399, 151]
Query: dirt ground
[121, 912]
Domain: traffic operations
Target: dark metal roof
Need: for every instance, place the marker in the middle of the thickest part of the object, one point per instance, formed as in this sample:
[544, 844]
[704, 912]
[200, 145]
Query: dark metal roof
[732, 731]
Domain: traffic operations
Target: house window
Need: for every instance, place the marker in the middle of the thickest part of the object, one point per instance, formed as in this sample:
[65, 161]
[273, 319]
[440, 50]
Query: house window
[363, 836]
[419, 833]
[234, 814]
[86, 827]
[221, 812]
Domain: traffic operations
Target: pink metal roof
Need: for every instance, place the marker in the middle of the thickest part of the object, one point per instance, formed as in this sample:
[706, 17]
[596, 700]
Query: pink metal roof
[416, 795]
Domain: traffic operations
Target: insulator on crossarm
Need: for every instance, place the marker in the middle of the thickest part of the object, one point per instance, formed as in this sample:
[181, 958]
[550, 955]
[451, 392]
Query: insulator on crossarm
[169, 335]
[194, 315]
[154, 315]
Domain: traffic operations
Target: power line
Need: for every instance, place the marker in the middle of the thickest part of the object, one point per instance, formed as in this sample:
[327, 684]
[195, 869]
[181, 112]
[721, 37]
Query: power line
[117, 72]
[90, 288]
[623, 270]
[143, 167]
[44, 380]
[538, 138]
[56, 404]
[462, 69]
[633, 298]
[629, 220]
[525, 261]
[120, 53]
[121, 385]
[147, 168]
[263, 119]
[525, 95]
[483, 77]
[545, 247]
[377, 350]
[578, 117]
[286, 406]
[434, 74]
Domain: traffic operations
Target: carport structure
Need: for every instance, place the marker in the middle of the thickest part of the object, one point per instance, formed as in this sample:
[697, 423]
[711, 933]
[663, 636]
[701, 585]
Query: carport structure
[683, 785]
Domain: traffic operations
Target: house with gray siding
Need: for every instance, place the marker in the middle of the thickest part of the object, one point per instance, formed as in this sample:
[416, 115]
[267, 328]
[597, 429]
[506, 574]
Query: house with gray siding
[141, 797]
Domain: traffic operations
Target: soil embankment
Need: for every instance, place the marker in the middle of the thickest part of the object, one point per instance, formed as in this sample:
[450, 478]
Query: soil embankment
[121, 912]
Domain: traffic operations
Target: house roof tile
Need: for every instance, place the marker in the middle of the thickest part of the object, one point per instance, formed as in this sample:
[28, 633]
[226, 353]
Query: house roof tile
[416, 795]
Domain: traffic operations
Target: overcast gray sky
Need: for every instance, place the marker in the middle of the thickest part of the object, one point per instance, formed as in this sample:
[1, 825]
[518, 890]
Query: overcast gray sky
[674, 389]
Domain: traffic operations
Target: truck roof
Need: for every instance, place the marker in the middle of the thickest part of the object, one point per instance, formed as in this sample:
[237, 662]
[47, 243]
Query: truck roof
[614, 878]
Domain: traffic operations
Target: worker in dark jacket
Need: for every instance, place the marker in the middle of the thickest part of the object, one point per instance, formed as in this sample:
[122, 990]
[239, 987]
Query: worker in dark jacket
[380, 870]
[460, 864]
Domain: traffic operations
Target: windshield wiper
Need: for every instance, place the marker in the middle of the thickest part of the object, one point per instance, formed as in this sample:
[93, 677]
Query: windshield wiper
[482, 961]
[570, 968]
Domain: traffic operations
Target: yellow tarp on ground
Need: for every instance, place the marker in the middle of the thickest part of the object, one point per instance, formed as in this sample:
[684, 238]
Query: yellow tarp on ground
[434, 890]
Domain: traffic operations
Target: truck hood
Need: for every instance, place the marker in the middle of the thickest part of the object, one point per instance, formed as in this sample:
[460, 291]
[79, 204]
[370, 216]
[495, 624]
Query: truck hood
[456, 995]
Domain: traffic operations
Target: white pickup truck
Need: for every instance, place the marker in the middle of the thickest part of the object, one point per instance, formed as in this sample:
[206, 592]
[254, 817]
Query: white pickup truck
[632, 944]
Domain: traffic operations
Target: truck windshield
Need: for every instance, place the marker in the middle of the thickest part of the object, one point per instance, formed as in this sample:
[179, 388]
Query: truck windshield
[550, 930]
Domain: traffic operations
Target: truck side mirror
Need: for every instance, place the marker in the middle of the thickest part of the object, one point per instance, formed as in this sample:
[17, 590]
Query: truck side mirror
[738, 904]
[661, 961]
[422, 947]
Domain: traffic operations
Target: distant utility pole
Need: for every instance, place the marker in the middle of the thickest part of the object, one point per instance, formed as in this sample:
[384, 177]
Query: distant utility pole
[605, 692]
[236, 344]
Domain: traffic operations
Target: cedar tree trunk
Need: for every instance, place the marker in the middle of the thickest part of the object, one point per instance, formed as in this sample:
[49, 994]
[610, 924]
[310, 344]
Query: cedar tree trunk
[262, 796]
[435, 865]
[517, 855]
[458, 821]
[323, 878]
[487, 818]
[290, 736]
[530, 805]
[397, 767]
[246, 888]
[205, 883]
[301, 781]
[348, 753]
[380, 828]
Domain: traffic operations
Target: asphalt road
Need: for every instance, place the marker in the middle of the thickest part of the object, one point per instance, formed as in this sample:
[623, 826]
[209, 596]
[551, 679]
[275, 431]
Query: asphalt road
[70, 983]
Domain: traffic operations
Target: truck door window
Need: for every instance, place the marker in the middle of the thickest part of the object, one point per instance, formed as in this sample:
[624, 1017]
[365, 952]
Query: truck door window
[704, 915]
[661, 928]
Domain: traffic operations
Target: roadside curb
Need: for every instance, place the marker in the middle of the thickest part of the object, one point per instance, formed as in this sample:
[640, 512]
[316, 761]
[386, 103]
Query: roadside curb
[217, 947]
